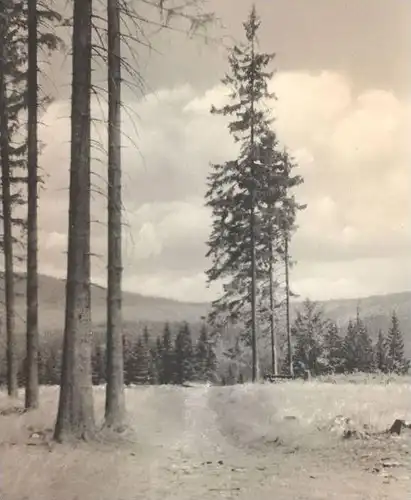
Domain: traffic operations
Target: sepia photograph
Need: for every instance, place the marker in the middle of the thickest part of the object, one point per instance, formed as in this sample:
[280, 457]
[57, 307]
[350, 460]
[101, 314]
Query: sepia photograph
[205, 240]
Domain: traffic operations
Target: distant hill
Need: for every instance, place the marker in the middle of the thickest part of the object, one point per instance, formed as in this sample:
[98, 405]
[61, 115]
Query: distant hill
[136, 307]
[154, 311]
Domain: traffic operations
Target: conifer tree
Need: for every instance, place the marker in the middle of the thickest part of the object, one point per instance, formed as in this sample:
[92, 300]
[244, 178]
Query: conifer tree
[357, 347]
[24, 30]
[381, 353]
[184, 368]
[396, 361]
[247, 195]
[364, 346]
[201, 353]
[142, 368]
[152, 371]
[158, 355]
[205, 365]
[333, 349]
[166, 375]
[233, 186]
[350, 349]
[130, 360]
[279, 210]
[309, 330]
[146, 336]
[36, 13]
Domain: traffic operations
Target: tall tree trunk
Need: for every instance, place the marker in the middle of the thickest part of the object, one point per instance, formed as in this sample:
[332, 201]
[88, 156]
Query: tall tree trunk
[12, 385]
[274, 358]
[115, 402]
[253, 293]
[254, 373]
[32, 382]
[287, 305]
[75, 418]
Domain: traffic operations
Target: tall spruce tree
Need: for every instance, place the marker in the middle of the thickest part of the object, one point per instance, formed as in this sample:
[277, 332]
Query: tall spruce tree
[279, 211]
[32, 333]
[75, 416]
[396, 360]
[233, 192]
[25, 30]
[9, 63]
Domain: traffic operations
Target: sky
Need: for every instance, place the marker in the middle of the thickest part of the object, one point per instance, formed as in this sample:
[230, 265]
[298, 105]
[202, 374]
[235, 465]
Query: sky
[342, 81]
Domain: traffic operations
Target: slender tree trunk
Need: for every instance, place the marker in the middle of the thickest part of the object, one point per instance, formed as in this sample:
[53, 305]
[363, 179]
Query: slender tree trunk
[32, 382]
[115, 402]
[75, 417]
[253, 294]
[12, 385]
[274, 358]
[254, 374]
[287, 305]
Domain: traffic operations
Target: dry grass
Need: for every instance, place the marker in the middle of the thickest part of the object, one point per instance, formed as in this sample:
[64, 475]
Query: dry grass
[255, 415]
[175, 428]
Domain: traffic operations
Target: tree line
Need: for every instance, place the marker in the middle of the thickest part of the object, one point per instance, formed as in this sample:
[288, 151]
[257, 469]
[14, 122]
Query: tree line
[174, 357]
[323, 348]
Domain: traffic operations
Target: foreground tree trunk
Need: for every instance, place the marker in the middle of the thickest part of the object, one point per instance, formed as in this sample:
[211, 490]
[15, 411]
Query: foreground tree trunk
[32, 384]
[75, 418]
[115, 402]
[12, 386]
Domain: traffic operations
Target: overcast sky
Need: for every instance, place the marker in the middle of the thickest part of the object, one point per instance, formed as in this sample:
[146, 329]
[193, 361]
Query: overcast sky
[343, 86]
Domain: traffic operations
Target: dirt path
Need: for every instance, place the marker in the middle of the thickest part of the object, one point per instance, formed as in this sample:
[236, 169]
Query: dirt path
[206, 463]
[195, 444]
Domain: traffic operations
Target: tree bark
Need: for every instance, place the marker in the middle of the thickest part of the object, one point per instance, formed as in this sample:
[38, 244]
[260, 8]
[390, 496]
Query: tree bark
[12, 386]
[75, 418]
[115, 401]
[32, 383]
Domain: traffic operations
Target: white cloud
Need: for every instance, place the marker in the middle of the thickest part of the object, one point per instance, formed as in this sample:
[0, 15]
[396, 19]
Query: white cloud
[352, 152]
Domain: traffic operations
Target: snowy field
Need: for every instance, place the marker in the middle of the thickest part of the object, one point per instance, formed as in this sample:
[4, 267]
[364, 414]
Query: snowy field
[247, 441]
